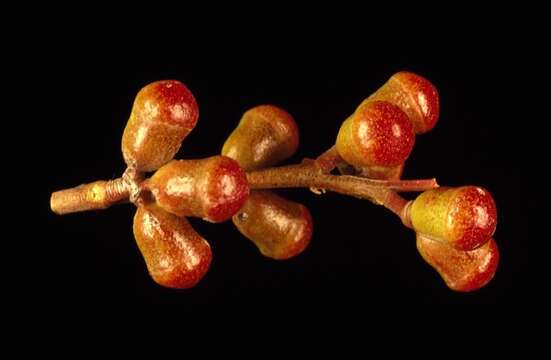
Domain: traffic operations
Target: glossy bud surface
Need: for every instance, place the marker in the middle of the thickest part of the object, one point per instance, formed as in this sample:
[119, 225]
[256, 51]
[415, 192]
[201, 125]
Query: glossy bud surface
[461, 270]
[264, 136]
[463, 217]
[279, 228]
[175, 255]
[163, 114]
[377, 134]
[214, 188]
[415, 95]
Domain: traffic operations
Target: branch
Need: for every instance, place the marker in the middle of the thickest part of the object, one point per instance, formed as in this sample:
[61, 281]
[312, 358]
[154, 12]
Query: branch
[308, 175]
[382, 192]
[99, 194]
[92, 196]
[311, 174]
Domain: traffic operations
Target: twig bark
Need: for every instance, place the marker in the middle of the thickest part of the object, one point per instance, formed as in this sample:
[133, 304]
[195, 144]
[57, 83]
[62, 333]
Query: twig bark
[314, 174]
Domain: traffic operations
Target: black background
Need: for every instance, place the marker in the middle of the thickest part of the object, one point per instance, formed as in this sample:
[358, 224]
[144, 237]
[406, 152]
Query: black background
[360, 253]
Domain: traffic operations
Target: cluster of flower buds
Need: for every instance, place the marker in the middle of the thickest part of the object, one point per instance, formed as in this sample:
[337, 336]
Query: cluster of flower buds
[454, 226]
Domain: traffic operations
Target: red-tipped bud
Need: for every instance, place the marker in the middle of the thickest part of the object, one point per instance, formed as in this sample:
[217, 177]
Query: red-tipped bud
[461, 270]
[463, 217]
[214, 188]
[175, 255]
[163, 114]
[415, 95]
[377, 134]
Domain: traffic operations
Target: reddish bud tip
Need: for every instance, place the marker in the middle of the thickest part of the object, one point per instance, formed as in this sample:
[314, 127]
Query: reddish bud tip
[424, 99]
[377, 134]
[168, 101]
[280, 228]
[163, 114]
[415, 95]
[464, 217]
[213, 189]
[265, 136]
[461, 270]
[175, 255]
[227, 189]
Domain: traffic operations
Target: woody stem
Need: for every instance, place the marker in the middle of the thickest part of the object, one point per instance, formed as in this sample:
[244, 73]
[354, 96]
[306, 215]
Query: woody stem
[310, 174]
[382, 192]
